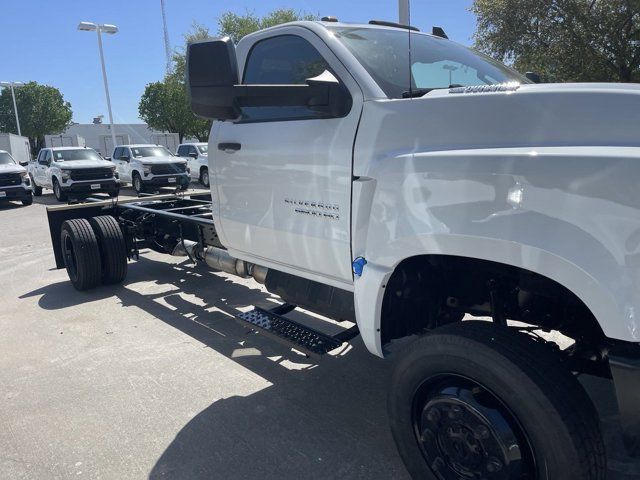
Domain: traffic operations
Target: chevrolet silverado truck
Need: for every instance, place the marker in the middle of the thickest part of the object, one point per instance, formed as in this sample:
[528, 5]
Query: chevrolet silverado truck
[149, 167]
[197, 157]
[412, 191]
[14, 181]
[75, 172]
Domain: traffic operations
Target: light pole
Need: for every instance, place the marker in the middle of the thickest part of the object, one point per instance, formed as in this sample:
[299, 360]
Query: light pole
[110, 29]
[13, 95]
[403, 12]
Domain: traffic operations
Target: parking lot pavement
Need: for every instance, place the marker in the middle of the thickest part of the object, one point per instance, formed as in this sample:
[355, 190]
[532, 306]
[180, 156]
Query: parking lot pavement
[152, 379]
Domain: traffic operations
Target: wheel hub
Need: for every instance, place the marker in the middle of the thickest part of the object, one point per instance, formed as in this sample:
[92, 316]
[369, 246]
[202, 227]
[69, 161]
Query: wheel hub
[465, 433]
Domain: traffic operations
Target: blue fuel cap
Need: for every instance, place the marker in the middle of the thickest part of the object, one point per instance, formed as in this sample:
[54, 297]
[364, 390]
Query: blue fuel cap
[358, 265]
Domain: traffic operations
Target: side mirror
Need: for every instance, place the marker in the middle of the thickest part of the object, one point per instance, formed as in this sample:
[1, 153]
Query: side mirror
[125, 158]
[193, 155]
[533, 76]
[24, 164]
[212, 80]
[211, 73]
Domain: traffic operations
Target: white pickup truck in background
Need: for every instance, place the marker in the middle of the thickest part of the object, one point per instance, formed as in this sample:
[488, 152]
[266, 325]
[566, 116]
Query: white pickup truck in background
[403, 190]
[149, 167]
[14, 181]
[75, 172]
[197, 157]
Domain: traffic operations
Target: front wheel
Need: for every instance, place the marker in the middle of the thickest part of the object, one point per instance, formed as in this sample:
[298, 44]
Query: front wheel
[138, 186]
[37, 191]
[57, 191]
[204, 177]
[472, 400]
[28, 200]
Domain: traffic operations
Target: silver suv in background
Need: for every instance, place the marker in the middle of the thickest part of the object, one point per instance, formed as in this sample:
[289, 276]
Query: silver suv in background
[197, 157]
[14, 180]
[149, 167]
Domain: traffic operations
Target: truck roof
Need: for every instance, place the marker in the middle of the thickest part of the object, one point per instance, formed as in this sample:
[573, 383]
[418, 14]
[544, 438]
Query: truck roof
[141, 145]
[313, 24]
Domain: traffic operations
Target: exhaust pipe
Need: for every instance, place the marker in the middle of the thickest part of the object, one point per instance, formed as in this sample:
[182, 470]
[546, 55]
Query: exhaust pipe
[219, 259]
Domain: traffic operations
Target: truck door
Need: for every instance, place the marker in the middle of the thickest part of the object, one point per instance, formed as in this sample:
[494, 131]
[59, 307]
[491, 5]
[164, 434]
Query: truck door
[283, 174]
[121, 158]
[42, 168]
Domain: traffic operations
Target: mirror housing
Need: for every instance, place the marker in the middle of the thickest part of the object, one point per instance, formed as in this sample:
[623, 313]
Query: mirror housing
[533, 76]
[214, 92]
[24, 164]
[193, 155]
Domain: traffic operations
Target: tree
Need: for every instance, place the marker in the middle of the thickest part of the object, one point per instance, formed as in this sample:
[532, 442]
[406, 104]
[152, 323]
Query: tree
[42, 110]
[237, 26]
[165, 105]
[564, 40]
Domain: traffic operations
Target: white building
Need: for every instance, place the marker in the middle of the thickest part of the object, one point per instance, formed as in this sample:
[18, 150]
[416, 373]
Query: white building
[98, 136]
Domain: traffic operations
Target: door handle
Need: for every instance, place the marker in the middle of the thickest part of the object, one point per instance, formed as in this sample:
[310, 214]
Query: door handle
[229, 147]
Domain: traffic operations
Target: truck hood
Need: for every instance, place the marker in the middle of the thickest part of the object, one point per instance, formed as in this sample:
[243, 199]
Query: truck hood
[82, 164]
[160, 160]
[15, 168]
[522, 116]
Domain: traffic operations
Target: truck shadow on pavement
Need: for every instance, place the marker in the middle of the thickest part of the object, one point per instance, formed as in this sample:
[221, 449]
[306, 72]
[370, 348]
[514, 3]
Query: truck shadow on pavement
[318, 419]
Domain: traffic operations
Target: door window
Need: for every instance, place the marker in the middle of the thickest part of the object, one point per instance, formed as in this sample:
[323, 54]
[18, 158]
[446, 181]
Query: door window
[117, 153]
[182, 151]
[282, 60]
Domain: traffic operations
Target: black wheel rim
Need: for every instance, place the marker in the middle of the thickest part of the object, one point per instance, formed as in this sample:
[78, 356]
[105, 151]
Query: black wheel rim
[70, 257]
[464, 431]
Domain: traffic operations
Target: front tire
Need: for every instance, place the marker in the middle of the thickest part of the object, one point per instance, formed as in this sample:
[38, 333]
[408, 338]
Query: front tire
[138, 185]
[37, 191]
[204, 177]
[28, 200]
[115, 193]
[464, 395]
[81, 254]
[57, 191]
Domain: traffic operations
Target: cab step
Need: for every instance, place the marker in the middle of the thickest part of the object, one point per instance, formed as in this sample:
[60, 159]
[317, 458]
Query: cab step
[307, 340]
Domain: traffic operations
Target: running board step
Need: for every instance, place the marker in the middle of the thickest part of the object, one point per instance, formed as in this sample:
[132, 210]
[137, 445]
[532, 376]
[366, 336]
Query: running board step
[305, 339]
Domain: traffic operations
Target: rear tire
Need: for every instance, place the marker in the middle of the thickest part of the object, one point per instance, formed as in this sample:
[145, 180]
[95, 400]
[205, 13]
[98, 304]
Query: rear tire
[113, 248]
[28, 200]
[57, 191]
[37, 191]
[445, 378]
[81, 254]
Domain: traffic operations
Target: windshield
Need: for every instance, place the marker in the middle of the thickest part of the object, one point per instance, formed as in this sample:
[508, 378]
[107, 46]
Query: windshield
[203, 148]
[140, 152]
[6, 159]
[72, 155]
[435, 62]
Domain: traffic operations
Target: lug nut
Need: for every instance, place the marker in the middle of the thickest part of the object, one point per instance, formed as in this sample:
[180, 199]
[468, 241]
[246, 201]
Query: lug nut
[481, 432]
[433, 415]
[455, 412]
[494, 465]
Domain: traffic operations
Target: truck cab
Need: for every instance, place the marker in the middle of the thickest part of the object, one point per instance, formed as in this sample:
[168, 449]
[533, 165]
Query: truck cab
[148, 167]
[14, 181]
[76, 172]
[197, 157]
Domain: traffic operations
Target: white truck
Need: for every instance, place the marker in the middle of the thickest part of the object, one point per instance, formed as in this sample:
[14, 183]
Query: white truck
[148, 167]
[76, 172]
[14, 181]
[197, 157]
[367, 182]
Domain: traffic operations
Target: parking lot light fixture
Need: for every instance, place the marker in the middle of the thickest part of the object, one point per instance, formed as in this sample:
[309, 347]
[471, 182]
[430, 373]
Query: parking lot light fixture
[100, 29]
[13, 96]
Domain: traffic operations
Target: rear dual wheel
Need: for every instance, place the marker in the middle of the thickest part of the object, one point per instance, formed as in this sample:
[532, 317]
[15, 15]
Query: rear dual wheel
[475, 401]
[94, 251]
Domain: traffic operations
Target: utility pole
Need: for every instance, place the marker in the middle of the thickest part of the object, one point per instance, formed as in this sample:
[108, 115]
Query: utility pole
[403, 12]
[13, 96]
[167, 44]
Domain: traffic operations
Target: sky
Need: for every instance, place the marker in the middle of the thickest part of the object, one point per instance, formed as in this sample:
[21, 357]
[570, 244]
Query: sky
[39, 40]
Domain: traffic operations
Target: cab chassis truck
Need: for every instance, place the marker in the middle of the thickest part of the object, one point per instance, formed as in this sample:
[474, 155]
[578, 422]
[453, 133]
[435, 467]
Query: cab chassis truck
[365, 190]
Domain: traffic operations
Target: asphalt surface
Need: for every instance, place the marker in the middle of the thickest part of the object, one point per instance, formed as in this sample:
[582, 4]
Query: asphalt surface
[153, 379]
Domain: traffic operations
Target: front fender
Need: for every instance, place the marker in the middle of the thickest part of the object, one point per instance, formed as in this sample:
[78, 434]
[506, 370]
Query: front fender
[571, 214]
